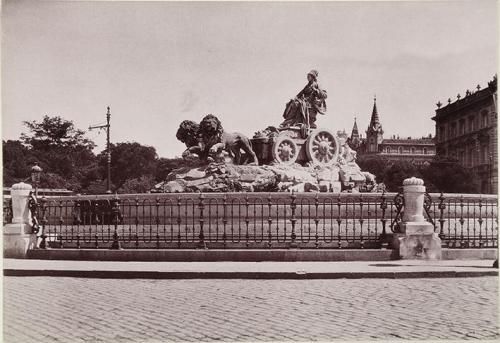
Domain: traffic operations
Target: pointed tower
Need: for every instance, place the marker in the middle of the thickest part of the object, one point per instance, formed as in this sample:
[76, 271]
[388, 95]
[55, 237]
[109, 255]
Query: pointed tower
[355, 139]
[374, 134]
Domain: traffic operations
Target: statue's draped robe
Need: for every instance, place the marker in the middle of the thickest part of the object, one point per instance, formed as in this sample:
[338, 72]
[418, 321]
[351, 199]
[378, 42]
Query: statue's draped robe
[309, 102]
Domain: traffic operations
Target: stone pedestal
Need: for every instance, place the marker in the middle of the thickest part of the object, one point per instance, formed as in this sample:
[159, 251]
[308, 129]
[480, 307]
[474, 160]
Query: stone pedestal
[419, 240]
[17, 236]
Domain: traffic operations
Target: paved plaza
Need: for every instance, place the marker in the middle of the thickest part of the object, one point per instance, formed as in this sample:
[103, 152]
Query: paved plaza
[43, 309]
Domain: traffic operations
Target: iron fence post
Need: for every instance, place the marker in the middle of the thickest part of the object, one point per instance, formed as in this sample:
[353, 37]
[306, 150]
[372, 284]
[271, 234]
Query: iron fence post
[115, 211]
[44, 220]
[7, 211]
[383, 236]
[33, 207]
[224, 220]
[427, 208]
[247, 222]
[201, 205]
[441, 207]
[157, 222]
[480, 221]
[179, 221]
[383, 207]
[399, 203]
[361, 220]
[316, 220]
[77, 219]
[269, 220]
[293, 220]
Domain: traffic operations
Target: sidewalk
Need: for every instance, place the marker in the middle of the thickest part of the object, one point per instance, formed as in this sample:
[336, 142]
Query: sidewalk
[250, 270]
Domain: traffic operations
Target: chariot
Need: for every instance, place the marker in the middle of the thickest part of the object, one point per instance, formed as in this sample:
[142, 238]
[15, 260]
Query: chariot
[296, 144]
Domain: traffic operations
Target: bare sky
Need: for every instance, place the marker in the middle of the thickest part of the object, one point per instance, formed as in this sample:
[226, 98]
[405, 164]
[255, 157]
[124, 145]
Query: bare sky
[158, 63]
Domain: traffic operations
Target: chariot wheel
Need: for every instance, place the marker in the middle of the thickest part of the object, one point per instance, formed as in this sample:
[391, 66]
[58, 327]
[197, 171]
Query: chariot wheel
[322, 147]
[285, 150]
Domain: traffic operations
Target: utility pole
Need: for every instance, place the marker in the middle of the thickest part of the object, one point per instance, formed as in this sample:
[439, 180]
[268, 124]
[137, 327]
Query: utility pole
[108, 150]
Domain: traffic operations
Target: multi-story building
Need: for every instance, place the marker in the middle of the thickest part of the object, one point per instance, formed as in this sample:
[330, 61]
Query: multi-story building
[466, 131]
[416, 150]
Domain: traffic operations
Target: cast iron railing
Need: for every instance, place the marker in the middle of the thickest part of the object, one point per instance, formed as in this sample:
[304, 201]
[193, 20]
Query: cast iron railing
[256, 220]
[465, 221]
[7, 210]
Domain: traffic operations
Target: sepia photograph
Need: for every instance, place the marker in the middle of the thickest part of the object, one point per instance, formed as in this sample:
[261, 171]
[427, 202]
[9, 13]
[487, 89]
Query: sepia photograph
[249, 171]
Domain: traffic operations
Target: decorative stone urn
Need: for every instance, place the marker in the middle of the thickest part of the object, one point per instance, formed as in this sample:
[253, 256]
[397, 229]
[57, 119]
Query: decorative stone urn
[18, 236]
[419, 240]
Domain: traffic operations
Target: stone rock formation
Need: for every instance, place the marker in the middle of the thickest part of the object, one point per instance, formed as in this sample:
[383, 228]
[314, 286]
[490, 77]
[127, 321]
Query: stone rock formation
[227, 177]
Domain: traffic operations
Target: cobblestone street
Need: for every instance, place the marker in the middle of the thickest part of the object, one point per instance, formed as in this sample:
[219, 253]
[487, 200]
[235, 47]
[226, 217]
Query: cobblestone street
[40, 309]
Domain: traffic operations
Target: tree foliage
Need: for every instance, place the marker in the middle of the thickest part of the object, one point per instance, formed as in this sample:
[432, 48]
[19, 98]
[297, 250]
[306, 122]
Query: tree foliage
[142, 184]
[439, 176]
[55, 132]
[129, 160]
[449, 177]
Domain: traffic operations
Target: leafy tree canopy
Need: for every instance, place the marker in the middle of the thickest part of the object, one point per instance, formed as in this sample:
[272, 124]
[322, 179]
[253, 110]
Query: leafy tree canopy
[55, 132]
[129, 160]
[439, 175]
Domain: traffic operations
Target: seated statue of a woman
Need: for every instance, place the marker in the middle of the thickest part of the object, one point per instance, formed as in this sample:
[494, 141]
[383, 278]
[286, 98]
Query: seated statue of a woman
[304, 108]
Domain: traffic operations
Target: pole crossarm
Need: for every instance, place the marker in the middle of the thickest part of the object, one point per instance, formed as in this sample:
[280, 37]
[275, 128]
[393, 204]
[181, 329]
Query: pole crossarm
[106, 126]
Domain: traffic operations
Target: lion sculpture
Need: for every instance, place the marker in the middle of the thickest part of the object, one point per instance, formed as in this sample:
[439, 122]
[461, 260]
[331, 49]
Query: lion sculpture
[188, 134]
[209, 141]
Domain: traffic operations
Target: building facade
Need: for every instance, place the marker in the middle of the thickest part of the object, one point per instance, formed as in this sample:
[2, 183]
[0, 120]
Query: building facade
[466, 131]
[415, 150]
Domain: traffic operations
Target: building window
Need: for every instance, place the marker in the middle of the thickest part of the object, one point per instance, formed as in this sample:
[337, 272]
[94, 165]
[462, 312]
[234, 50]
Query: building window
[484, 154]
[461, 127]
[472, 125]
[400, 150]
[453, 130]
[442, 133]
[425, 151]
[461, 157]
[471, 157]
[413, 151]
[484, 118]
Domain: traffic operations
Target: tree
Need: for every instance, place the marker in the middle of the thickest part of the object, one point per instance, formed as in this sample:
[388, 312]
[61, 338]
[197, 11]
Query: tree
[397, 172]
[96, 187]
[58, 147]
[439, 175]
[449, 177]
[17, 161]
[374, 164]
[55, 132]
[129, 160]
[142, 184]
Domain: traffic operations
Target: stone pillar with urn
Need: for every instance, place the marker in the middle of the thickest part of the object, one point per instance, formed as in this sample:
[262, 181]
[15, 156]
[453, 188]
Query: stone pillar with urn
[18, 236]
[419, 241]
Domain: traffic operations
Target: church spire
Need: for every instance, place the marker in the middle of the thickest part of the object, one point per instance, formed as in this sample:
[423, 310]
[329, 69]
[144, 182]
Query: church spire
[375, 121]
[374, 134]
[355, 132]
